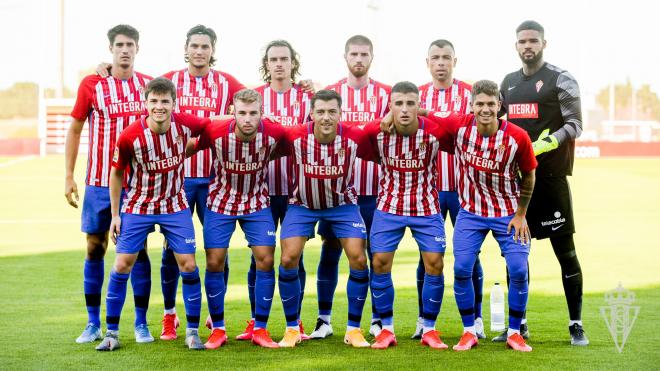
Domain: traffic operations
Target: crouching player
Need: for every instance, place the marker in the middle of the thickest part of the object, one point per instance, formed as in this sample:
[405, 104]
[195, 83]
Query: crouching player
[153, 148]
[325, 151]
[408, 197]
[241, 148]
[491, 154]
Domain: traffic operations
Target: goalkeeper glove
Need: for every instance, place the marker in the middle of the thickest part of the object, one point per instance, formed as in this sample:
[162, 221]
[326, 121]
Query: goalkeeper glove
[545, 143]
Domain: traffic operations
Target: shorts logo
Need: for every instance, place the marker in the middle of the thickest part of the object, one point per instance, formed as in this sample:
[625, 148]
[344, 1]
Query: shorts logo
[439, 239]
[556, 223]
[358, 225]
[539, 85]
[190, 240]
[270, 233]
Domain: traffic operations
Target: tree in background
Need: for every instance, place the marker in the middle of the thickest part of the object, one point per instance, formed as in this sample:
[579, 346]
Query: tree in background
[647, 102]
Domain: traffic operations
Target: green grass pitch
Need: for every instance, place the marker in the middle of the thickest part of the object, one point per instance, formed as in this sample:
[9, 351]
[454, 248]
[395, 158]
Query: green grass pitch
[617, 208]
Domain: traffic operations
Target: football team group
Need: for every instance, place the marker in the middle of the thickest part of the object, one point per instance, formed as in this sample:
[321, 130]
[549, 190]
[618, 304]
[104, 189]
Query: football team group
[361, 159]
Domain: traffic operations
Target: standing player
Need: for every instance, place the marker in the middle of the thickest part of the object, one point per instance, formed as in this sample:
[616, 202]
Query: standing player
[363, 100]
[289, 103]
[109, 104]
[204, 92]
[545, 101]
[408, 198]
[491, 153]
[153, 149]
[325, 151]
[241, 148]
[446, 94]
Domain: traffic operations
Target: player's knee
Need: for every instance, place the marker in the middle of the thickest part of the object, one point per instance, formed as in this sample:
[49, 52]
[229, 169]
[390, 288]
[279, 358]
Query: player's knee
[358, 261]
[462, 269]
[122, 266]
[433, 264]
[265, 263]
[187, 264]
[289, 261]
[518, 272]
[379, 263]
[97, 244]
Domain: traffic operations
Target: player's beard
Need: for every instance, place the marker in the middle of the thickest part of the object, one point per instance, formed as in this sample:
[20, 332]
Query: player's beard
[533, 61]
[359, 73]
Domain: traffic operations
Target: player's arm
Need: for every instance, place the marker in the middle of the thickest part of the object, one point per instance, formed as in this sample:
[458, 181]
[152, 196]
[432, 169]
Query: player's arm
[70, 156]
[116, 178]
[568, 94]
[104, 69]
[518, 222]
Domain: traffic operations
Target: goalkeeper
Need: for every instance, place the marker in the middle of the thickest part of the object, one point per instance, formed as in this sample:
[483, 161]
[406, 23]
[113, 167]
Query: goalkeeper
[545, 101]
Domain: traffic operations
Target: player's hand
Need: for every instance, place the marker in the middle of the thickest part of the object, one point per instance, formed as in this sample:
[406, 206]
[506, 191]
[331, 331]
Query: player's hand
[520, 229]
[387, 123]
[71, 191]
[307, 86]
[115, 227]
[103, 69]
[545, 143]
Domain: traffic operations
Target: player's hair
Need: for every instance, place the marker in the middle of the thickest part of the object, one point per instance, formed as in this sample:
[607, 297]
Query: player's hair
[359, 40]
[485, 87]
[295, 60]
[405, 87]
[531, 25]
[123, 29]
[160, 85]
[326, 95]
[441, 43]
[202, 30]
[247, 96]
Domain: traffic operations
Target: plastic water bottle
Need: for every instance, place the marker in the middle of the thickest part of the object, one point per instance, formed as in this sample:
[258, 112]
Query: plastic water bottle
[497, 308]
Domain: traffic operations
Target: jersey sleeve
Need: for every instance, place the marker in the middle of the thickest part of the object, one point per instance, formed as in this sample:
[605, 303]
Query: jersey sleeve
[568, 94]
[194, 123]
[206, 136]
[444, 127]
[364, 144]
[123, 151]
[525, 156]
[84, 99]
[284, 145]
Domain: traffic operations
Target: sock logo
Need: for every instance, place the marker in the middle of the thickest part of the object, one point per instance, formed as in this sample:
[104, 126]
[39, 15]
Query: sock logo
[268, 299]
[195, 298]
[435, 301]
[361, 299]
[216, 294]
[378, 296]
[287, 299]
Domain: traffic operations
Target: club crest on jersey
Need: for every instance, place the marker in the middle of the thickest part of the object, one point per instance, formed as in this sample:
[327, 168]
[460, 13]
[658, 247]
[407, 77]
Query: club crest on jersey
[296, 106]
[140, 90]
[262, 153]
[179, 139]
[422, 147]
[539, 85]
[373, 100]
[341, 154]
[500, 149]
[457, 100]
[442, 114]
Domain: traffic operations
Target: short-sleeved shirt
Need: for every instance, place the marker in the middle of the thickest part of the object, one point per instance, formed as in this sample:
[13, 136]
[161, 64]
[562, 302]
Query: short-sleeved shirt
[456, 98]
[239, 186]
[409, 167]
[323, 173]
[358, 107]
[155, 161]
[291, 108]
[489, 167]
[109, 105]
[203, 96]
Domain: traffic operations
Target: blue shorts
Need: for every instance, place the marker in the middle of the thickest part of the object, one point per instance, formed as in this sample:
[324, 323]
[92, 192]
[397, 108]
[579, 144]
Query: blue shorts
[367, 206]
[176, 227]
[278, 206]
[96, 215]
[344, 220]
[428, 231]
[471, 230]
[449, 203]
[197, 190]
[258, 227]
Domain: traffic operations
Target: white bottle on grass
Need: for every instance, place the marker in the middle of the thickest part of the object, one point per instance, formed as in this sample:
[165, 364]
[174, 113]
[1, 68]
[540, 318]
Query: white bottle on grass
[497, 308]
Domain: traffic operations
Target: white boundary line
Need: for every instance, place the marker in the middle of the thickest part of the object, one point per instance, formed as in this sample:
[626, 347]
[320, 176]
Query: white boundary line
[16, 161]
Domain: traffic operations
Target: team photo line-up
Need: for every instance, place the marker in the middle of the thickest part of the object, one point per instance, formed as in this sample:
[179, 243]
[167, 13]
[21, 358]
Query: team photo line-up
[360, 158]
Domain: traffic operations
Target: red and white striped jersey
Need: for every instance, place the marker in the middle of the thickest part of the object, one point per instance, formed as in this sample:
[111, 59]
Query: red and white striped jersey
[488, 166]
[358, 107]
[204, 96]
[239, 186]
[109, 105]
[155, 162]
[408, 168]
[322, 175]
[457, 98]
[291, 107]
